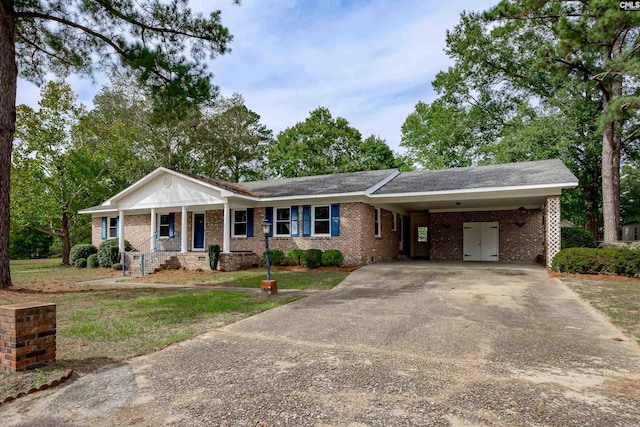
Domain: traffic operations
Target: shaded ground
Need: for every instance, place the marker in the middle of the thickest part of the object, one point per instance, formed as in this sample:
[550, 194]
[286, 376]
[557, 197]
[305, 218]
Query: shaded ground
[441, 344]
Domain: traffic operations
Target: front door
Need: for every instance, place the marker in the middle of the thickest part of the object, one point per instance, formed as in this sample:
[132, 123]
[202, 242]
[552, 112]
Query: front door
[480, 241]
[198, 231]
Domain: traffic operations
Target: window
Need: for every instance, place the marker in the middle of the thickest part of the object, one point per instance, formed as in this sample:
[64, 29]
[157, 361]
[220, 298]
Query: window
[393, 221]
[240, 223]
[283, 221]
[165, 226]
[423, 234]
[321, 220]
[376, 222]
[113, 228]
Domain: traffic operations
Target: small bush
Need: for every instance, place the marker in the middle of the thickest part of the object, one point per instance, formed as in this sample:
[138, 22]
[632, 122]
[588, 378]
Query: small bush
[597, 261]
[92, 261]
[634, 245]
[80, 263]
[108, 252]
[332, 257]
[312, 258]
[614, 245]
[294, 257]
[214, 256]
[117, 266]
[276, 257]
[82, 250]
[576, 237]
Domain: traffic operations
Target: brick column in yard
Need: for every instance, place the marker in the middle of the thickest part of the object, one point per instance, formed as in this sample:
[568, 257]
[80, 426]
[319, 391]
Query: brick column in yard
[27, 335]
[552, 228]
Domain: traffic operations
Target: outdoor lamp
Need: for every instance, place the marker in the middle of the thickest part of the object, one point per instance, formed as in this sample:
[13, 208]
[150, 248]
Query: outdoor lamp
[268, 285]
[266, 228]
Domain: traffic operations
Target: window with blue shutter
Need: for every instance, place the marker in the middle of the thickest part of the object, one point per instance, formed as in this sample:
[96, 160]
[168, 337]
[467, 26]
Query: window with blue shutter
[306, 220]
[294, 221]
[104, 228]
[269, 216]
[250, 222]
[172, 220]
[335, 219]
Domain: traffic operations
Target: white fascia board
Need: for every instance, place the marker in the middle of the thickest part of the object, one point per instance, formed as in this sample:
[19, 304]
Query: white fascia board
[382, 183]
[554, 190]
[98, 211]
[483, 209]
[135, 185]
[314, 197]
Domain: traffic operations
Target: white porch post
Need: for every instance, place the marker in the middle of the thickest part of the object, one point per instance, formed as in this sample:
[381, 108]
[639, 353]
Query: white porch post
[153, 229]
[552, 229]
[121, 231]
[226, 233]
[183, 236]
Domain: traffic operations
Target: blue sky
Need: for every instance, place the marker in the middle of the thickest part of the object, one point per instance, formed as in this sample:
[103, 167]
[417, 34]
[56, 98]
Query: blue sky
[369, 61]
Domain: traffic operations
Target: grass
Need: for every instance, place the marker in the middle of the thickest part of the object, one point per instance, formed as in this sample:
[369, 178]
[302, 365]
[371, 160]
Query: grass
[102, 325]
[615, 296]
[319, 279]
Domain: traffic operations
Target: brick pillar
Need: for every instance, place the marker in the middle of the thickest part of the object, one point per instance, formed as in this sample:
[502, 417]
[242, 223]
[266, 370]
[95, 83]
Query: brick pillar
[552, 228]
[27, 335]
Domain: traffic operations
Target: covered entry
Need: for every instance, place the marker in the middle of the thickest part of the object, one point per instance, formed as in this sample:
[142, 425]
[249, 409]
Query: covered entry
[480, 241]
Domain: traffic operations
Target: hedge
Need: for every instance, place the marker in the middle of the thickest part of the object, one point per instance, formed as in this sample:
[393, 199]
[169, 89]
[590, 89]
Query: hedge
[332, 257]
[276, 256]
[294, 257]
[312, 258]
[80, 263]
[598, 261]
[82, 250]
[92, 261]
[108, 252]
[576, 237]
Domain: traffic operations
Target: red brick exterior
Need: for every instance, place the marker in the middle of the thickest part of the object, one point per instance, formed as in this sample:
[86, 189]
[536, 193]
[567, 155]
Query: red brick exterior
[515, 243]
[27, 335]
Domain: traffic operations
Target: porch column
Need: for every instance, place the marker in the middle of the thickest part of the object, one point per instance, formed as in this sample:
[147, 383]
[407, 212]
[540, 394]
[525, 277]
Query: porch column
[154, 227]
[226, 232]
[183, 240]
[552, 228]
[121, 231]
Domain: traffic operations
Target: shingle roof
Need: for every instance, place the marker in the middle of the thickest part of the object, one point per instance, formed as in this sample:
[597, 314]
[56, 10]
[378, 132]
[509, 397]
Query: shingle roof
[543, 172]
[318, 185]
[231, 186]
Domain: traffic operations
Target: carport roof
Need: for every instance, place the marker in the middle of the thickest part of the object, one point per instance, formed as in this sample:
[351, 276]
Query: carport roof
[525, 174]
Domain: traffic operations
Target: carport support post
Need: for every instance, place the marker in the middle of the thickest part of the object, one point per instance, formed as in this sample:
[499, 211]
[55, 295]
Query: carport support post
[552, 228]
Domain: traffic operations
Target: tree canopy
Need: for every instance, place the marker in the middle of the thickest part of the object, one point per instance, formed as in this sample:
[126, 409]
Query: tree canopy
[323, 145]
[164, 43]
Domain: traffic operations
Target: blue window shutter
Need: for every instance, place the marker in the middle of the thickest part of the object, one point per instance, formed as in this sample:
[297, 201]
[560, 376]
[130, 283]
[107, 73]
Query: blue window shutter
[294, 221]
[335, 219]
[306, 220]
[172, 219]
[269, 214]
[104, 228]
[250, 222]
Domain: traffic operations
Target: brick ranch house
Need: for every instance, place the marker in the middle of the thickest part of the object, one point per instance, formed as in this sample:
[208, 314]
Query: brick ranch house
[507, 212]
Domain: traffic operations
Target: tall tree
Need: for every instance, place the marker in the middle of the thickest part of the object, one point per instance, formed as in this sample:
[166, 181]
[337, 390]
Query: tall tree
[164, 43]
[55, 174]
[323, 145]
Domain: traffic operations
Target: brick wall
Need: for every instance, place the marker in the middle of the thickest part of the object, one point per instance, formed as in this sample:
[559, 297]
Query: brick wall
[27, 335]
[515, 243]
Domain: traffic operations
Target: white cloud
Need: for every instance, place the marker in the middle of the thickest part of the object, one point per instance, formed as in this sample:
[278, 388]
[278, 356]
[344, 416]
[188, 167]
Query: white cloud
[367, 61]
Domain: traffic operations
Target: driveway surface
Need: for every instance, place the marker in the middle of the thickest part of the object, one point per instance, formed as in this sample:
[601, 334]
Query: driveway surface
[406, 343]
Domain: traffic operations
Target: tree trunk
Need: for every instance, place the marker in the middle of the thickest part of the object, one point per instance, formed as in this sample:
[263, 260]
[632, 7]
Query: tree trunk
[8, 82]
[611, 148]
[66, 242]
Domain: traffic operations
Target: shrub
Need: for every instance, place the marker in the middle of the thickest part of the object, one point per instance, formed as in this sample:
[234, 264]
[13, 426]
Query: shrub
[83, 250]
[614, 245]
[312, 258]
[597, 261]
[276, 256]
[108, 252]
[80, 263]
[634, 245]
[92, 261]
[214, 256]
[332, 257]
[576, 237]
[294, 257]
[117, 266]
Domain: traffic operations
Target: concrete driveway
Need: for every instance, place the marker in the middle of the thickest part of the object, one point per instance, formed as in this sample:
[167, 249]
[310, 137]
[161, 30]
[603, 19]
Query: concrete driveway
[411, 343]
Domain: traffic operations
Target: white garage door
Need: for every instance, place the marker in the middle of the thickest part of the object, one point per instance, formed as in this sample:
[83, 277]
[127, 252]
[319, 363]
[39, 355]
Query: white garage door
[480, 241]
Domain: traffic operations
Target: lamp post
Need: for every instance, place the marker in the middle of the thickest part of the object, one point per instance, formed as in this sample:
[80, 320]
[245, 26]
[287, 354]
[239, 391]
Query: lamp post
[268, 285]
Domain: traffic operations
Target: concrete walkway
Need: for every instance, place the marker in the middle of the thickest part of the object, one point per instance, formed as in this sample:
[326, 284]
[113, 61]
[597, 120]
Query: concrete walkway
[412, 343]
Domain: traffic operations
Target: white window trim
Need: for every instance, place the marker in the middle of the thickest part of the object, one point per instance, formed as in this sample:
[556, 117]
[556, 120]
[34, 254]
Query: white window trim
[109, 236]
[394, 221]
[193, 232]
[159, 222]
[313, 221]
[275, 221]
[379, 214]
[233, 222]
